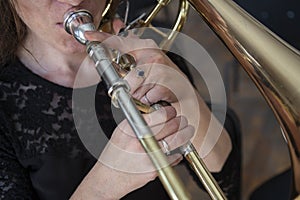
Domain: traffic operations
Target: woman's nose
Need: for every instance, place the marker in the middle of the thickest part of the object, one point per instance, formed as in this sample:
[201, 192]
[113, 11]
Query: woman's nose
[71, 2]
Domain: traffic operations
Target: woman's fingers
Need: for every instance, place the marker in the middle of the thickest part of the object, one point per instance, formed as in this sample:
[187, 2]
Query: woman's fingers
[151, 94]
[159, 117]
[154, 74]
[177, 140]
[170, 127]
[124, 45]
[96, 36]
[164, 124]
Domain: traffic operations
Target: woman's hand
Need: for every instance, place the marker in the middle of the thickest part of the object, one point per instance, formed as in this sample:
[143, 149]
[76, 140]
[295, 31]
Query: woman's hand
[155, 75]
[163, 81]
[124, 166]
[125, 153]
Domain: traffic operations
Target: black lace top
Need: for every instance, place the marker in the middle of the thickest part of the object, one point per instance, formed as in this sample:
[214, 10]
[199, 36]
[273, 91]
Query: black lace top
[41, 153]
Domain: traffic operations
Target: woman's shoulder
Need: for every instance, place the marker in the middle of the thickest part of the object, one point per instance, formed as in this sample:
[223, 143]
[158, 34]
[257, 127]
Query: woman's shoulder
[13, 76]
[10, 70]
[17, 87]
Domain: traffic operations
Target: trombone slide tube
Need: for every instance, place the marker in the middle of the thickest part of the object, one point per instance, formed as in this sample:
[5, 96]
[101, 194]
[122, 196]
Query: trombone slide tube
[120, 96]
[200, 169]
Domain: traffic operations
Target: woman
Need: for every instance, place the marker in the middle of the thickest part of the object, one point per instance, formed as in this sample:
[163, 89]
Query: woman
[42, 152]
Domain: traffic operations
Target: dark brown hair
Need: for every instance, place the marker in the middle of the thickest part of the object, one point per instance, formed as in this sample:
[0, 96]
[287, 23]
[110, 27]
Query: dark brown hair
[13, 29]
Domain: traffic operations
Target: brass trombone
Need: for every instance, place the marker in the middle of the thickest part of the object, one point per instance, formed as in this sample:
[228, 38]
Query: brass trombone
[275, 75]
[272, 64]
[79, 21]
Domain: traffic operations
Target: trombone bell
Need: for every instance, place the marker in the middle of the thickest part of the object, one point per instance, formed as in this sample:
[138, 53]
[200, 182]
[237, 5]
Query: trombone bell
[272, 64]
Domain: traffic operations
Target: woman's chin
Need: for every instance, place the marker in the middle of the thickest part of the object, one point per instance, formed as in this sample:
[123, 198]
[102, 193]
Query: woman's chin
[74, 47]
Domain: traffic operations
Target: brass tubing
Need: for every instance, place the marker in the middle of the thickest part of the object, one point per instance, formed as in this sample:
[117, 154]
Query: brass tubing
[181, 19]
[191, 155]
[170, 180]
[195, 162]
[160, 4]
[204, 175]
[121, 98]
[272, 64]
[178, 25]
[144, 108]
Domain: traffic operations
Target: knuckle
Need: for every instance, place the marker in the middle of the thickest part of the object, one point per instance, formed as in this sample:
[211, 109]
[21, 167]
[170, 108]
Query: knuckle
[183, 121]
[184, 135]
[171, 111]
[158, 57]
[150, 43]
[190, 131]
[152, 176]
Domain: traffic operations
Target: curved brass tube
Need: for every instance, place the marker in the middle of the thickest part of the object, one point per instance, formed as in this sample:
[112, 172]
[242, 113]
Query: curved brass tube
[183, 10]
[273, 65]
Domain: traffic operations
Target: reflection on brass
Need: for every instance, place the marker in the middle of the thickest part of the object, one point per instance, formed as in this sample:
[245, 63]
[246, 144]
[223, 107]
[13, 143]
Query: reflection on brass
[178, 25]
[272, 64]
[169, 179]
[200, 169]
[124, 63]
[144, 108]
[190, 153]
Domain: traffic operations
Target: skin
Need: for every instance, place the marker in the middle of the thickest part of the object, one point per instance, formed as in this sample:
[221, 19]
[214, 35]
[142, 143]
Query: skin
[57, 57]
[58, 54]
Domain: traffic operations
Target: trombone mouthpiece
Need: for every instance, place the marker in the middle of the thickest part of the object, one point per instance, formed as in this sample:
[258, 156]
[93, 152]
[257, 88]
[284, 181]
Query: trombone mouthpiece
[77, 22]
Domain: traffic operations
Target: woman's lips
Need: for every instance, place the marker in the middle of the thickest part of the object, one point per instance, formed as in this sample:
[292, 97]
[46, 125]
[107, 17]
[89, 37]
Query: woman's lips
[60, 25]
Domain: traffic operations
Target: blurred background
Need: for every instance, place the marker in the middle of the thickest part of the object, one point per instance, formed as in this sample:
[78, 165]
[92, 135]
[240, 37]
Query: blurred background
[264, 152]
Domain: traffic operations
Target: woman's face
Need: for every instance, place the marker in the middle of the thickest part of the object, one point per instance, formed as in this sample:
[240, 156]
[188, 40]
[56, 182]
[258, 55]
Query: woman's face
[44, 20]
